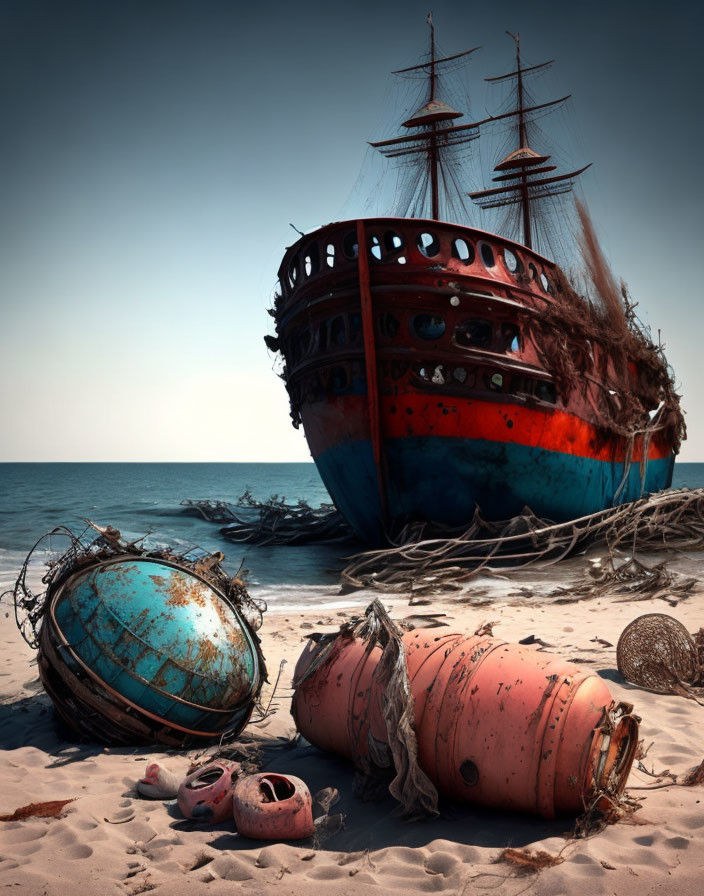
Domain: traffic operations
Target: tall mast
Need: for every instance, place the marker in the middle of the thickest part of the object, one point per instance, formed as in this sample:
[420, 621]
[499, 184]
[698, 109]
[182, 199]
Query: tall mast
[517, 172]
[433, 155]
[522, 141]
[432, 134]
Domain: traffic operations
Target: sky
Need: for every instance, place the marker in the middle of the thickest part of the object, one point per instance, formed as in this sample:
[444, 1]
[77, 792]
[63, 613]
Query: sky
[153, 155]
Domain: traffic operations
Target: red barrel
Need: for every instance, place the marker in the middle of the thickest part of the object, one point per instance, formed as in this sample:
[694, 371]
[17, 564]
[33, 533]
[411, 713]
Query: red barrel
[496, 723]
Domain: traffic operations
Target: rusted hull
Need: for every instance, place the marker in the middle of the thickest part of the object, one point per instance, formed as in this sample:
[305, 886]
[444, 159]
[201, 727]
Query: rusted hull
[445, 475]
[139, 650]
[420, 375]
[496, 724]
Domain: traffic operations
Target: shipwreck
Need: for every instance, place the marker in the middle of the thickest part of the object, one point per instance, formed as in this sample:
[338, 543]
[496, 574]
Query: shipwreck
[436, 367]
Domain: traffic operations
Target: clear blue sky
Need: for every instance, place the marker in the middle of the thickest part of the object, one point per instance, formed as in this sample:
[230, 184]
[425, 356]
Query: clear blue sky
[153, 154]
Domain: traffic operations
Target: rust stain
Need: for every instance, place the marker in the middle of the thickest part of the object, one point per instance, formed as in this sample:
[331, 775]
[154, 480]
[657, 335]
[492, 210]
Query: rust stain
[183, 591]
[207, 654]
[159, 581]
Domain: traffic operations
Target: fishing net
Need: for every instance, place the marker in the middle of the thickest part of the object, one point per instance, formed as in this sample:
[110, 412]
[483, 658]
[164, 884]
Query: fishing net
[657, 652]
[392, 765]
[273, 522]
[60, 553]
[423, 559]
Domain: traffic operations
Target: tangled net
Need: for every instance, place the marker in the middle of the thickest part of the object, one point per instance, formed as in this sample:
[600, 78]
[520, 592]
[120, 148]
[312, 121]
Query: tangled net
[391, 766]
[95, 544]
[274, 522]
[657, 652]
[672, 519]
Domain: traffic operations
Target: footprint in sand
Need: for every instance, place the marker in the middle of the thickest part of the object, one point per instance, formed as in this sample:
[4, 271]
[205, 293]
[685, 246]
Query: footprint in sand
[27, 849]
[8, 865]
[77, 851]
[691, 822]
[61, 837]
[677, 842]
[26, 833]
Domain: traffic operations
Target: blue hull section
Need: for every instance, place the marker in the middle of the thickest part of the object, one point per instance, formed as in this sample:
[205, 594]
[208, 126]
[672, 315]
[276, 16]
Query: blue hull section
[442, 479]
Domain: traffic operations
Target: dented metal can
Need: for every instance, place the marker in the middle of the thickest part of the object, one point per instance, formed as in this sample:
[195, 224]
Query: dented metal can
[136, 649]
[496, 723]
[270, 806]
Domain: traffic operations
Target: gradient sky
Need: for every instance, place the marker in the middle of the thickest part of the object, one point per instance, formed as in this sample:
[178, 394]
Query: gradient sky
[152, 155]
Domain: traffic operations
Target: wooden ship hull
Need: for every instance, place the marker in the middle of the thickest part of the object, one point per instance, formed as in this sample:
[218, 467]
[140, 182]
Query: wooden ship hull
[417, 358]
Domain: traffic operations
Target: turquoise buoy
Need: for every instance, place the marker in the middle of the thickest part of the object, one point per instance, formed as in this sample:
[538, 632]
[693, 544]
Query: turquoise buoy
[156, 642]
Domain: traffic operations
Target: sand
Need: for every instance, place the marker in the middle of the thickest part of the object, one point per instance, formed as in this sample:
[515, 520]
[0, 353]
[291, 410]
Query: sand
[111, 842]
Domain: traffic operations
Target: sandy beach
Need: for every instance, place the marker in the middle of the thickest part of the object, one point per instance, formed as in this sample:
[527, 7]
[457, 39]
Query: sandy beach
[110, 841]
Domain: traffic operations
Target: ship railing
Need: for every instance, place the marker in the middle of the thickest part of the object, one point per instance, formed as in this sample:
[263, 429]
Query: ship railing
[413, 245]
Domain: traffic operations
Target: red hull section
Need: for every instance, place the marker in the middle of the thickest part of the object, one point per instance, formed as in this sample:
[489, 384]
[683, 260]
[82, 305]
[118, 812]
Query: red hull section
[410, 343]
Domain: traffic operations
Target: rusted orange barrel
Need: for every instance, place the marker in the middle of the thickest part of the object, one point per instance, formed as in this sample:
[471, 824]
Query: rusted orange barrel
[496, 723]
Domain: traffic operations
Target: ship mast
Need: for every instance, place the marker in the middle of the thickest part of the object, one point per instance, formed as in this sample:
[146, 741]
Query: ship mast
[431, 135]
[522, 141]
[519, 169]
[433, 146]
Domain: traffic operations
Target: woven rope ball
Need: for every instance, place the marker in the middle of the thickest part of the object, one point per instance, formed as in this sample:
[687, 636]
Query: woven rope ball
[656, 652]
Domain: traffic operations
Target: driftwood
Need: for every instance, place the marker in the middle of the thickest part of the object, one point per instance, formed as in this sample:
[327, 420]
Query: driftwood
[425, 558]
[273, 521]
[672, 519]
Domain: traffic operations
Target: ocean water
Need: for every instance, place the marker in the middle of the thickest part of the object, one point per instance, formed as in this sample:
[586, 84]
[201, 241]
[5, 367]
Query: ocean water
[145, 498]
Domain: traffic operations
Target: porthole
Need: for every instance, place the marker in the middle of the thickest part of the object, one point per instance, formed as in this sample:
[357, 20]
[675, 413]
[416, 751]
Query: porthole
[293, 272]
[427, 326]
[311, 262]
[469, 772]
[510, 334]
[330, 255]
[459, 374]
[337, 331]
[401, 259]
[495, 382]
[532, 271]
[463, 251]
[392, 242]
[375, 248]
[428, 244]
[521, 385]
[349, 245]
[388, 325]
[512, 261]
[487, 254]
[474, 334]
[432, 372]
[439, 375]
[544, 282]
